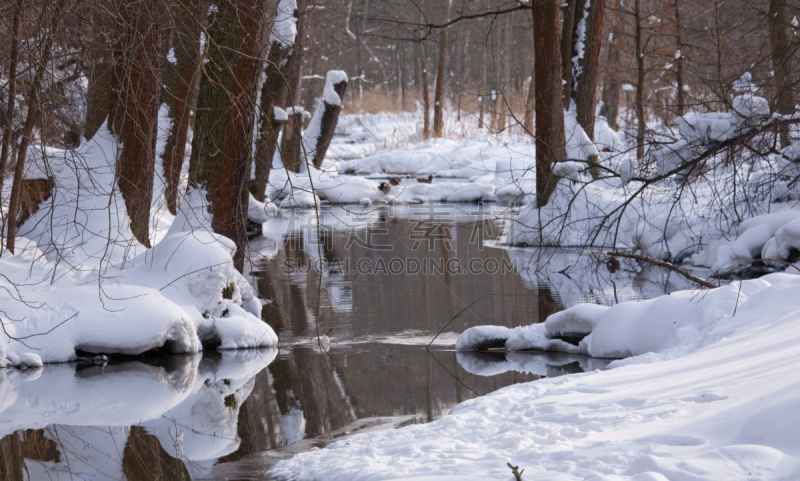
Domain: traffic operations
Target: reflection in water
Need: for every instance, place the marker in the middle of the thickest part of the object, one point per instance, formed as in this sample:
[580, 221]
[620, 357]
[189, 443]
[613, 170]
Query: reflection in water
[231, 415]
[132, 420]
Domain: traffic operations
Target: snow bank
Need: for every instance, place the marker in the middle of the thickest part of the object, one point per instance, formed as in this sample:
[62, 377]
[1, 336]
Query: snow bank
[724, 407]
[79, 280]
[664, 327]
[769, 236]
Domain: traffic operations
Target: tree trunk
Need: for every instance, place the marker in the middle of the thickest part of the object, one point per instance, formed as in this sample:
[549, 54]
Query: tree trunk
[273, 94]
[781, 62]
[640, 128]
[426, 102]
[189, 19]
[441, 73]
[294, 62]
[612, 87]
[586, 82]
[567, 41]
[680, 108]
[139, 77]
[12, 93]
[330, 118]
[30, 119]
[221, 147]
[292, 141]
[530, 105]
[550, 142]
[100, 91]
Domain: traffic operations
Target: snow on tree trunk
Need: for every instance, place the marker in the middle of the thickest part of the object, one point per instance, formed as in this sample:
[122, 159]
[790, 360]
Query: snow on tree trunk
[567, 42]
[30, 119]
[550, 143]
[138, 71]
[273, 94]
[294, 63]
[588, 69]
[781, 62]
[292, 140]
[320, 130]
[182, 90]
[438, 99]
[223, 135]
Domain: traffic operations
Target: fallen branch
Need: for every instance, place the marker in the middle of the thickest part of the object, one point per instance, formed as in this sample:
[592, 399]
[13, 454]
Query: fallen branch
[666, 265]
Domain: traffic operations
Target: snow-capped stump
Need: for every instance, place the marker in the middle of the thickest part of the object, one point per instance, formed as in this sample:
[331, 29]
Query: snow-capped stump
[572, 325]
[320, 130]
[292, 140]
[482, 338]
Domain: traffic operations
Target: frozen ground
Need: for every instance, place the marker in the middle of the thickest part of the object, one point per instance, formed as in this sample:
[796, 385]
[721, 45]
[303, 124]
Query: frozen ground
[722, 404]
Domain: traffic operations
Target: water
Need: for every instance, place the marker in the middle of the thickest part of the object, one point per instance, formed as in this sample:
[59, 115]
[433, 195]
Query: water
[379, 285]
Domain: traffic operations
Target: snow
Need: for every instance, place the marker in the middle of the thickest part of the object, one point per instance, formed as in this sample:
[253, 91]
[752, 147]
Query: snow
[79, 280]
[711, 394]
[284, 30]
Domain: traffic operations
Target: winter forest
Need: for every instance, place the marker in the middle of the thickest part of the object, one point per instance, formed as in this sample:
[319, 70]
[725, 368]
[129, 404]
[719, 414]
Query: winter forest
[424, 240]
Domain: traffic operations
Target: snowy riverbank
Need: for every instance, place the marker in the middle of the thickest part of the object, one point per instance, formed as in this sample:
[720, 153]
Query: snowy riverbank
[722, 403]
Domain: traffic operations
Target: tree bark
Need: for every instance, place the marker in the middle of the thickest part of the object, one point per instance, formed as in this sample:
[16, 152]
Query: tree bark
[100, 91]
[612, 87]
[680, 107]
[781, 62]
[567, 42]
[530, 105]
[294, 62]
[638, 51]
[12, 92]
[292, 141]
[426, 102]
[550, 142]
[586, 81]
[222, 144]
[138, 73]
[273, 94]
[30, 119]
[189, 18]
[441, 73]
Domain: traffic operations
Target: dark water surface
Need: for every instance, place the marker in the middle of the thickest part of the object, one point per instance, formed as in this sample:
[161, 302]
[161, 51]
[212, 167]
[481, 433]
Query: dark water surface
[376, 285]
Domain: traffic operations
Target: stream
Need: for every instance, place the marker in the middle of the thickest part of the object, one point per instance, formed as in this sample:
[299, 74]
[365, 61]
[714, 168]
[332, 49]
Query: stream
[367, 304]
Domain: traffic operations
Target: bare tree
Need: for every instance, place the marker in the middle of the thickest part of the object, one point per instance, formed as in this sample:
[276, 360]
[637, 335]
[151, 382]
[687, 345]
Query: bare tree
[441, 73]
